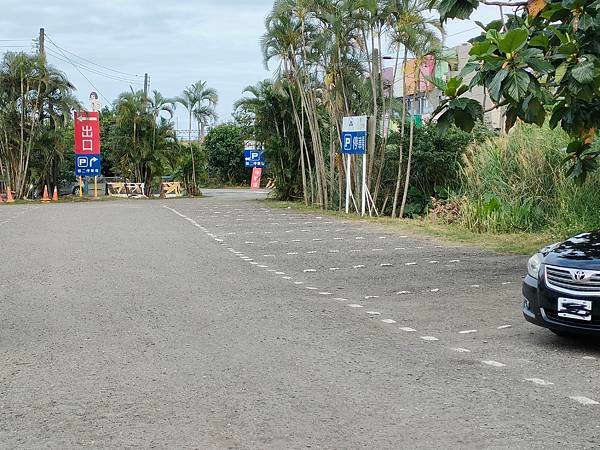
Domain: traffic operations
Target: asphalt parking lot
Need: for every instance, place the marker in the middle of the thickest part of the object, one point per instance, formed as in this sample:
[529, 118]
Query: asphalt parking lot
[223, 323]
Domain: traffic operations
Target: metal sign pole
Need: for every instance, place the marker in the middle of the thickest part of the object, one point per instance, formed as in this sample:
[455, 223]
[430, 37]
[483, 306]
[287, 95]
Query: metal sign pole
[364, 183]
[80, 186]
[348, 176]
[95, 186]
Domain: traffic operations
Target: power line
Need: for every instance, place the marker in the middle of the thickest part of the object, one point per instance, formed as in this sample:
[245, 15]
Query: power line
[92, 62]
[94, 71]
[82, 74]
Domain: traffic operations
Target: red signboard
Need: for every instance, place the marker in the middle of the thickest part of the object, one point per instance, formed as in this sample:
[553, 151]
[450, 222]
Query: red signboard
[256, 176]
[87, 133]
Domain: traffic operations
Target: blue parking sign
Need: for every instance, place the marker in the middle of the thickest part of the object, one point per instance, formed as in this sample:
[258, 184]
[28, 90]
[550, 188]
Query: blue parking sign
[87, 165]
[254, 158]
[354, 135]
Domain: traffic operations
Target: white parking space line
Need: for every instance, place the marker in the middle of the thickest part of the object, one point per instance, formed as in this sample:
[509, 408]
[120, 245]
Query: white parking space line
[359, 266]
[340, 299]
[410, 264]
[461, 350]
[309, 270]
[584, 400]
[390, 321]
[374, 313]
[368, 297]
[354, 305]
[385, 265]
[539, 381]
[402, 292]
[408, 329]
[429, 338]
[493, 363]
[325, 293]
[467, 331]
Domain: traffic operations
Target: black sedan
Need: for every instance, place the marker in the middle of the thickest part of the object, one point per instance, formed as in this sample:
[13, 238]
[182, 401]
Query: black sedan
[562, 286]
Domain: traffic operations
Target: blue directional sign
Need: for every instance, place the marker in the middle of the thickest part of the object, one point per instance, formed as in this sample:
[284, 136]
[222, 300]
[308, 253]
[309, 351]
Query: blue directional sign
[254, 158]
[354, 135]
[87, 165]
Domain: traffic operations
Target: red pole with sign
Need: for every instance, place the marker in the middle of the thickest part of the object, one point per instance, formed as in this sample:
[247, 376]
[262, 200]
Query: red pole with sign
[87, 139]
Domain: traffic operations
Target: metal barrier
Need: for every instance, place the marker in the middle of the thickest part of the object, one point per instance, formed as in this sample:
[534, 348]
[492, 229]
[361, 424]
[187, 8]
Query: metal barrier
[170, 189]
[130, 190]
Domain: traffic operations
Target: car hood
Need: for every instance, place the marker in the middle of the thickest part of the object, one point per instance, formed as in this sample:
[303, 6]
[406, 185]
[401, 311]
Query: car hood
[581, 251]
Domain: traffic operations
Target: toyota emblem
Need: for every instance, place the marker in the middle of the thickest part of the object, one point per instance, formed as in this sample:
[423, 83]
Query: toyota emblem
[578, 275]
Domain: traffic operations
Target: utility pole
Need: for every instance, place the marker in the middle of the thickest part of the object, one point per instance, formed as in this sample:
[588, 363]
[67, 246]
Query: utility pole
[42, 45]
[146, 86]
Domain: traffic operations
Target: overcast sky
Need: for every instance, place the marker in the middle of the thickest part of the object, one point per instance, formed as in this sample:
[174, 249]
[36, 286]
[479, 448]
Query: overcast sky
[176, 42]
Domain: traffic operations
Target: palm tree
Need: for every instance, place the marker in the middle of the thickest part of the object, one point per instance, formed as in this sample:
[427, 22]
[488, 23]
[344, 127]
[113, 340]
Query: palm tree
[195, 96]
[159, 104]
[206, 100]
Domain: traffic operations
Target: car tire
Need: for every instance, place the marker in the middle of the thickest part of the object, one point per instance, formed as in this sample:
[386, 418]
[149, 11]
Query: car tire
[76, 191]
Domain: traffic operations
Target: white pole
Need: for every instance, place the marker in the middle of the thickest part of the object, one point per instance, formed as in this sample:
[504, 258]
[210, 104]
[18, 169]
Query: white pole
[364, 183]
[348, 184]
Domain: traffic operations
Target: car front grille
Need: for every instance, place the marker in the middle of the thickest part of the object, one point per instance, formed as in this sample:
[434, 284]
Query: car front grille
[573, 281]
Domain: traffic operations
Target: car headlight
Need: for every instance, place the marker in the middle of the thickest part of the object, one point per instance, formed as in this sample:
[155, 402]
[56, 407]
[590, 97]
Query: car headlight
[533, 265]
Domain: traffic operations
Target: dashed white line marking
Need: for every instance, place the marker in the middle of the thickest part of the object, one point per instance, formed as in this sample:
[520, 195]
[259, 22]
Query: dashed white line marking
[368, 297]
[312, 252]
[388, 321]
[584, 400]
[374, 313]
[354, 251]
[279, 273]
[385, 265]
[382, 237]
[504, 327]
[506, 282]
[402, 292]
[539, 381]
[493, 363]
[286, 278]
[340, 299]
[291, 253]
[262, 266]
[333, 251]
[249, 242]
[410, 264]
[333, 269]
[429, 338]
[325, 293]
[377, 250]
[269, 256]
[454, 261]
[309, 270]
[359, 238]
[317, 239]
[408, 329]
[338, 239]
[296, 240]
[359, 266]
[475, 286]
[354, 305]
[467, 331]
[434, 290]
[461, 350]
[433, 262]
[298, 282]
[591, 358]
[254, 263]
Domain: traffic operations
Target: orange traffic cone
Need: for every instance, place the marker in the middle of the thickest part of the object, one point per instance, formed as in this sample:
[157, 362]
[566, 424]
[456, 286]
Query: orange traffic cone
[45, 198]
[9, 196]
[55, 195]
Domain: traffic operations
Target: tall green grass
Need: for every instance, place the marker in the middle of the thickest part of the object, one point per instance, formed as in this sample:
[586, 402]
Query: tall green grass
[517, 183]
